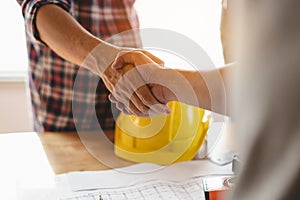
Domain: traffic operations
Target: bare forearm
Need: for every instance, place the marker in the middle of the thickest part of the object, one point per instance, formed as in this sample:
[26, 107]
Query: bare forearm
[200, 88]
[215, 85]
[206, 89]
[63, 34]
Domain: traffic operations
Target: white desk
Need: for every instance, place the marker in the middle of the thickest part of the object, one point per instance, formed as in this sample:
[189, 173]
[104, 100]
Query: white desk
[29, 161]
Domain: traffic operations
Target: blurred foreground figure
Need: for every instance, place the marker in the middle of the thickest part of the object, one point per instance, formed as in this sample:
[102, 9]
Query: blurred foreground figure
[267, 98]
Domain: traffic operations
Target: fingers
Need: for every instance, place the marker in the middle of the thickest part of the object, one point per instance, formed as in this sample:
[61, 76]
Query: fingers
[136, 58]
[158, 91]
[141, 103]
[124, 94]
[154, 58]
[142, 97]
[130, 109]
[119, 105]
[145, 97]
[131, 92]
[118, 62]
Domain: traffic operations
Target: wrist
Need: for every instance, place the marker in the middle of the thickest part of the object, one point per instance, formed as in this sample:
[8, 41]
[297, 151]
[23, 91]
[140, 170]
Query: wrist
[101, 57]
[199, 85]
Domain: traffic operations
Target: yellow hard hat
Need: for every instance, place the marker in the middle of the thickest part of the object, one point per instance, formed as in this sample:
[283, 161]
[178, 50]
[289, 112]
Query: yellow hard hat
[162, 139]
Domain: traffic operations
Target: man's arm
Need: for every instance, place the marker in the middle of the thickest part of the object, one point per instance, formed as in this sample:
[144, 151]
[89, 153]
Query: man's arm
[206, 89]
[63, 34]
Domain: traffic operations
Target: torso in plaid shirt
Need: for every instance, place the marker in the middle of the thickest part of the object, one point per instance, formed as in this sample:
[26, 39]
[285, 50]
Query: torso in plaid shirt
[51, 78]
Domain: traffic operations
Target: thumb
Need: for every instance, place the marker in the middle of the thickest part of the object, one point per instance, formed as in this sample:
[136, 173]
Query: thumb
[118, 62]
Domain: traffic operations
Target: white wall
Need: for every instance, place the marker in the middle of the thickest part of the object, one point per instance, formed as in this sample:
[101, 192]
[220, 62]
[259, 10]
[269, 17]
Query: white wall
[14, 107]
[198, 20]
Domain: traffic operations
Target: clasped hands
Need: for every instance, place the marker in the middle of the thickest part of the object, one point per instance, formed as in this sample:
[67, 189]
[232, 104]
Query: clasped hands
[131, 80]
[130, 75]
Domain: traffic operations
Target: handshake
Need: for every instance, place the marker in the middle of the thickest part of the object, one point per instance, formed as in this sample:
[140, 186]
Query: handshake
[139, 84]
[132, 76]
[132, 81]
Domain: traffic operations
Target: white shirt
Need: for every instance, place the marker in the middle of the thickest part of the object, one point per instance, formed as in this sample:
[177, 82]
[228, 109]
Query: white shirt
[267, 100]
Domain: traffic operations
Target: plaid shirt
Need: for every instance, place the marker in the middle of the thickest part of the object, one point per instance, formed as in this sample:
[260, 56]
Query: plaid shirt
[51, 78]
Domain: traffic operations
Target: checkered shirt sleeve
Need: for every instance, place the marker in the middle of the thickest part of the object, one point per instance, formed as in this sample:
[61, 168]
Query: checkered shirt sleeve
[56, 105]
[29, 10]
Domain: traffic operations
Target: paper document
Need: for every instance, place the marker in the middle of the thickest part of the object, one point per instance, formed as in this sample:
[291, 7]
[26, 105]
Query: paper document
[141, 181]
[152, 190]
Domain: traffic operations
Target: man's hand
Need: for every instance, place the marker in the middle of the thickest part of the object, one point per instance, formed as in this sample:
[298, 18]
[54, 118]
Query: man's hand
[152, 75]
[128, 84]
[114, 65]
